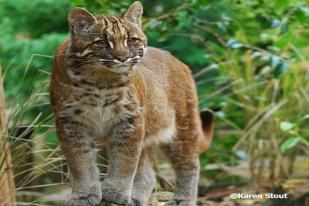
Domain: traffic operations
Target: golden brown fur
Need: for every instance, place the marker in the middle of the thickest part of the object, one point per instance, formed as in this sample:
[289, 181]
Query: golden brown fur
[134, 100]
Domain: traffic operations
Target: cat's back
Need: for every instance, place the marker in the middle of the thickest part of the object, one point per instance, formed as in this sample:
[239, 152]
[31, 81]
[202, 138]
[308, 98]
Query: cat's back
[170, 88]
[164, 70]
[159, 61]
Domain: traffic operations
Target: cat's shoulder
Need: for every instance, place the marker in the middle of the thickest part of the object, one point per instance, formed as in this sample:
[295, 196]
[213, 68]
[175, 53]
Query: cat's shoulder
[156, 53]
[155, 56]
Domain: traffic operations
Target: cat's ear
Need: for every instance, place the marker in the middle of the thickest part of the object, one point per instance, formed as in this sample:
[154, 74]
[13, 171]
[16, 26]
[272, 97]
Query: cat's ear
[134, 13]
[80, 18]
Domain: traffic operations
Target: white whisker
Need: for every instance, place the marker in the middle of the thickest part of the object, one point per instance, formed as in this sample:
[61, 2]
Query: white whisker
[106, 60]
[117, 61]
[134, 58]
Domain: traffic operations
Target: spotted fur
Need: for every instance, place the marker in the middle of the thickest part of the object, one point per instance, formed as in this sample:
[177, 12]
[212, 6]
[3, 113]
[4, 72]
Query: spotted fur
[106, 88]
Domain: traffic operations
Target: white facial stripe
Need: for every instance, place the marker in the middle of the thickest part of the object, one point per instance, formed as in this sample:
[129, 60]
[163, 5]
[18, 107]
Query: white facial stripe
[97, 39]
[117, 61]
[125, 43]
[131, 59]
[111, 44]
[83, 53]
[105, 60]
[136, 57]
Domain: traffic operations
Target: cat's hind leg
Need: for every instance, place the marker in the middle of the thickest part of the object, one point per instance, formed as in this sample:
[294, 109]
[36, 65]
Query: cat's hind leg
[183, 155]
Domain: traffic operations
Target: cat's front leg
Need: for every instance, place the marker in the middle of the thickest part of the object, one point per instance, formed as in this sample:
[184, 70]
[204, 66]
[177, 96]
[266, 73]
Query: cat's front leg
[124, 148]
[79, 150]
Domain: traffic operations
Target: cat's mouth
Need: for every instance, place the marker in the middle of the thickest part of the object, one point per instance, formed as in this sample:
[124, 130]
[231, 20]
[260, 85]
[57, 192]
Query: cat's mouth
[117, 63]
[116, 66]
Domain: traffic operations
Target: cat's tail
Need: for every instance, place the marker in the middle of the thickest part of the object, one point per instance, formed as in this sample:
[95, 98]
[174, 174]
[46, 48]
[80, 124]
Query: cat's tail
[207, 118]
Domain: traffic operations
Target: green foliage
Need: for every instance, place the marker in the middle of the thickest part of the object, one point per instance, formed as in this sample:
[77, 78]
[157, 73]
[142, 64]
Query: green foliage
[35, 18]
[290, 143]
[294, 131]
[286, 126]
[28, 40]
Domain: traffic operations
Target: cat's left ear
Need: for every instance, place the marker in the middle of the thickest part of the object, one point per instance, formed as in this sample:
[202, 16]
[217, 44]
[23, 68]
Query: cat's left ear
[134, 13]
[80, 18]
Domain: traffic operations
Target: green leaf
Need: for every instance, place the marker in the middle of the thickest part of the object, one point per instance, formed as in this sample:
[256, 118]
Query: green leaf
[280, 69]
[284, 27]
[275, 61]
[289, 144]
[275, 23]
[305, 10]
[234, 44]
[305, 142]
[306, 117]
[286, 126]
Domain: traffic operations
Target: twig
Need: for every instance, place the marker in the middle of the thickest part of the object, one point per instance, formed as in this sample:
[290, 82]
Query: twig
[165, 16]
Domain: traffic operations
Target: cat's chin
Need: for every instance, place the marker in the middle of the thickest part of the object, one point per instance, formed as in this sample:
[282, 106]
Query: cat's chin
[119, 68]
[113, 67]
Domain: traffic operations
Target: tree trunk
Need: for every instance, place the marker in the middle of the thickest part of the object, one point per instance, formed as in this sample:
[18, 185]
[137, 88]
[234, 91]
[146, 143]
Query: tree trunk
[7, 185]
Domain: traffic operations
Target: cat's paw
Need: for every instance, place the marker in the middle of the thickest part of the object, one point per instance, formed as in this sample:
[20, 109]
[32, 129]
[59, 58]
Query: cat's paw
[133, 203]
[90, 200]
[113, 196]
[180, 202]
[136, 202]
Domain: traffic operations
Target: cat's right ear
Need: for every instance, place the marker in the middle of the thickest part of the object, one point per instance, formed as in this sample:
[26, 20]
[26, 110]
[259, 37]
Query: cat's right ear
[80, 18]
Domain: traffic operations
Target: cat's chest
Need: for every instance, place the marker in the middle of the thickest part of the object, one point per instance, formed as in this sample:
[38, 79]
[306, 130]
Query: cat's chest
[97, 110]
[98, 98]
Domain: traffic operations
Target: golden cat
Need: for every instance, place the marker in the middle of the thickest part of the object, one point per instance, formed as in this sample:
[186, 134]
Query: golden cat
[107, 85]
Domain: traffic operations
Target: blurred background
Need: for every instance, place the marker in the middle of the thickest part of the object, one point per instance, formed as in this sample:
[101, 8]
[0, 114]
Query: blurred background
[250, 63]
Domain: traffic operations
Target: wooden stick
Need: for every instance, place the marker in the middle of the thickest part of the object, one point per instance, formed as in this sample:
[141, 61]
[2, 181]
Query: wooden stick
[7, 184]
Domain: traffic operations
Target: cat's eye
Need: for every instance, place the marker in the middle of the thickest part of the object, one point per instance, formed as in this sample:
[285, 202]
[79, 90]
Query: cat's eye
[100, 43]
[132, 40]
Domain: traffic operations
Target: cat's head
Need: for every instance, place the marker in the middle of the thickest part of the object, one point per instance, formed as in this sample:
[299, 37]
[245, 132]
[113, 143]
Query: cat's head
[107, 40]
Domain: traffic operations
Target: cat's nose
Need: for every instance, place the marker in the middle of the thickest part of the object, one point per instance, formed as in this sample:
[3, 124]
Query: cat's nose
[121, 58]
